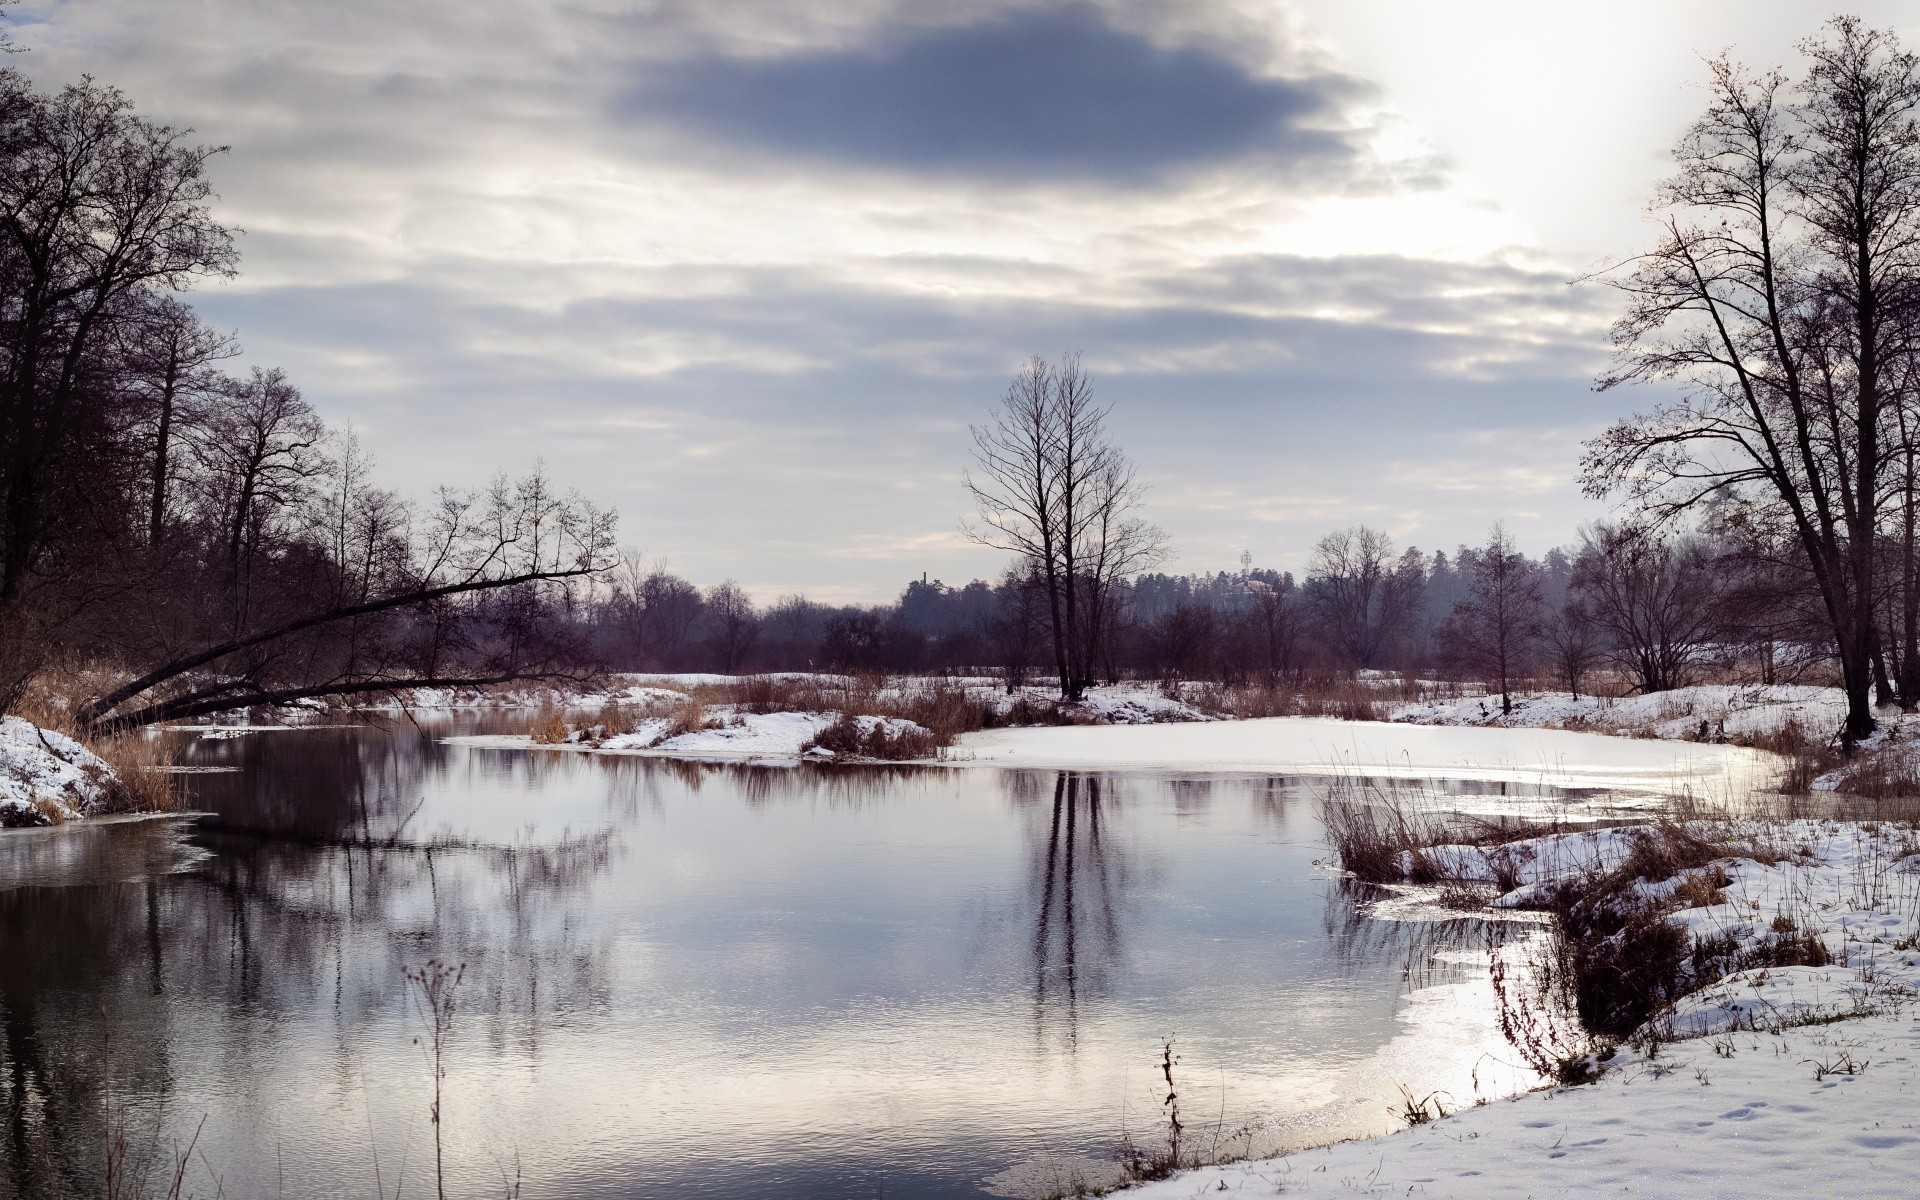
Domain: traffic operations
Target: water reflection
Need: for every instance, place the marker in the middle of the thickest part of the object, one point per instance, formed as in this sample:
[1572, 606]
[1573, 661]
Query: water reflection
[1079, 871]
[692, 979]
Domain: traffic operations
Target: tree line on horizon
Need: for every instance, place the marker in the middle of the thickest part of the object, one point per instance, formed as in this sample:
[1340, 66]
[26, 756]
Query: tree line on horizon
[1652, 610]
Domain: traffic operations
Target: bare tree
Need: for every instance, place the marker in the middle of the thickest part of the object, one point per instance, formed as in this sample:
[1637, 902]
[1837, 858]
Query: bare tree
[257, 452]
[95, 206]
[1775, 298]
[1113, 546]
[1277, 616]
[168, 355]
[1572, 643]
[480, 594]
[733, 624]
[1014, 630]
[1654, 597]
[1015, 486]
[1050, 486]
[1493, 630]
[1362, 597]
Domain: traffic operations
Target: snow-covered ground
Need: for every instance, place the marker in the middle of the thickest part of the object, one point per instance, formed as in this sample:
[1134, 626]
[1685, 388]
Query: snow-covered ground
[777, 738]
[47, 777]
[1793, 1080]
[1323, 745]
[1755, 1114]
[1710, 712]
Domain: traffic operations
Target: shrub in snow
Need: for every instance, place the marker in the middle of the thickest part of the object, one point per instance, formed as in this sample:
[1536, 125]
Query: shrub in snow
[890, 738]
[47, 777]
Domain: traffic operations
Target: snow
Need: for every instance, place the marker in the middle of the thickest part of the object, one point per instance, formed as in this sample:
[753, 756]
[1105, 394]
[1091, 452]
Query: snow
[1727, 710]
[1799, 1080]
[1317, 745]
[47, 777]
[1745, 1115]
[774, 738]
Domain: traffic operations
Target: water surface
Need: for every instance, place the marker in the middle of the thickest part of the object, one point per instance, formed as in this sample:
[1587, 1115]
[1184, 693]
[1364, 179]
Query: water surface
[702, 981]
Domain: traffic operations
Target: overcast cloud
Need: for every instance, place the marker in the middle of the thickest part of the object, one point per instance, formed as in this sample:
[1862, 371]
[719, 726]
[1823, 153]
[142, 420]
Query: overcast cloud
[746, 271]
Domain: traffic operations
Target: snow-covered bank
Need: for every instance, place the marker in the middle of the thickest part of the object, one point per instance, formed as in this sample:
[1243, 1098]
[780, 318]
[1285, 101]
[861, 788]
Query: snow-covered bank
[1749, 1115]
[1790, 1063]
[1709, 712]
[776, 738]
[1320, 745]
[47, 777]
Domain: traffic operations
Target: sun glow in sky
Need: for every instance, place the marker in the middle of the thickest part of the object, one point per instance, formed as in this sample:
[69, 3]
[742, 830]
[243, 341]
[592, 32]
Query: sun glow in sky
[747, 270]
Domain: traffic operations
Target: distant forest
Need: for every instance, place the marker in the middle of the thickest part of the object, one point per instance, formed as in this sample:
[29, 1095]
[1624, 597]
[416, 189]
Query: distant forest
[1652, 611]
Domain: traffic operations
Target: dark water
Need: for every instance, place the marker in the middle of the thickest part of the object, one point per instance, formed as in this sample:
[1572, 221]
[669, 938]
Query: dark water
[699, 981]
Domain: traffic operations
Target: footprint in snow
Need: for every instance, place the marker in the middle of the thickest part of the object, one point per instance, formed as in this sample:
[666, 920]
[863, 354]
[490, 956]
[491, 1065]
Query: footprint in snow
[1881, 1141]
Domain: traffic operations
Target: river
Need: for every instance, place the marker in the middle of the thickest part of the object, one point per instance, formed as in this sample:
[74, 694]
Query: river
[702, 981]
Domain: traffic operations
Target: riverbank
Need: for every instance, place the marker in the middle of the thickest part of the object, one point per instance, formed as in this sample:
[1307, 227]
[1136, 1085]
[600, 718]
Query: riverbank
[47, 778]
[1824, 1110]
[1746, 993]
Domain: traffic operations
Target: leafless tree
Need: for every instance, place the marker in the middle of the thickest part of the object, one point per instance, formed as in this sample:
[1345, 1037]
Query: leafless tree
[1776, 297]
[1050, 486]
[1014, 631]
[257, 451]
[168, 355]
[479, 595]
[99, 211]
[1362, 597]
[1493, 631]
[1572, 643]
[1277, 616]
[1654, 597]
[733, 624]
[1113, 546]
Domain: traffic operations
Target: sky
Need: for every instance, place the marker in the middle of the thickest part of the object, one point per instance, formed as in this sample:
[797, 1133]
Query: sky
[746, 272]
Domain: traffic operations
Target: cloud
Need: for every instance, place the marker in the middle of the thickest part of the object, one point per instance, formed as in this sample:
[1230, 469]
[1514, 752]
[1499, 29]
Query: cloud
[747, 270]
[1036, 95]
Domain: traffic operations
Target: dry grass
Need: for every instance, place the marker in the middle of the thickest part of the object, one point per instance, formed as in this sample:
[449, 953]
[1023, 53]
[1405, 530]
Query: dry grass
[851, 738]
[549, 727]
[1382, 830]
[690, 716]
[946, 710]
[1340, 696]
[144, 780]
[142, 763]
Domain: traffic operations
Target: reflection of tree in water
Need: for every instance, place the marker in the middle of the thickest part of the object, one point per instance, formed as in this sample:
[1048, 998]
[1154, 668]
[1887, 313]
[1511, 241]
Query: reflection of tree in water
[315, 896]
[1076, 933]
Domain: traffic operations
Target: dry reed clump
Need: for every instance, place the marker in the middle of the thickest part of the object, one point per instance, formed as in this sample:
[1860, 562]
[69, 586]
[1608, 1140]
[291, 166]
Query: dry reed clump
[690, 717]
[1625, 960]
[946, 710]
[1382, 832]
[549, 727]
[1881, 776]
[1344, 697]
[144, 779]
[852, 737]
